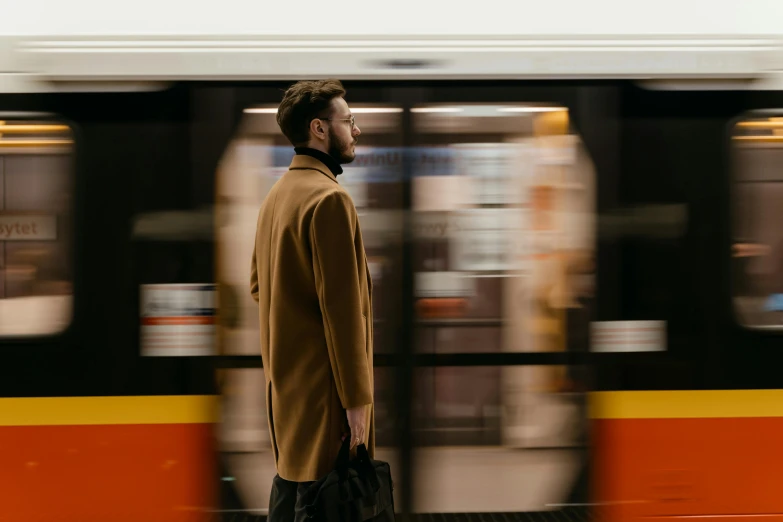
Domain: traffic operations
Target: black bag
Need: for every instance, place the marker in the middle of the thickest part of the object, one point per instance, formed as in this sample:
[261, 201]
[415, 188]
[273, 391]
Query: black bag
[357, 490]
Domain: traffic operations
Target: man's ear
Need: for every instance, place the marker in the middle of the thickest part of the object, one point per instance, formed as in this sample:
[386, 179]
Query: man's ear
[318, 129]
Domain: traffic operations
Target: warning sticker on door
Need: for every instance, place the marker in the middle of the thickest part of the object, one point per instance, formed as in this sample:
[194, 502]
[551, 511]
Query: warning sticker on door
[178, 320]
[628, 336]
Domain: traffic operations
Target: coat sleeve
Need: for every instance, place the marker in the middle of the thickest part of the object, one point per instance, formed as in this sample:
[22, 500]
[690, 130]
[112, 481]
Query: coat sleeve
[336, 268]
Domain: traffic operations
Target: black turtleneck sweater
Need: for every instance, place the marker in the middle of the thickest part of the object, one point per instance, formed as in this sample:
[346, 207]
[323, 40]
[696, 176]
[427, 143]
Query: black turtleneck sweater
[322, 157]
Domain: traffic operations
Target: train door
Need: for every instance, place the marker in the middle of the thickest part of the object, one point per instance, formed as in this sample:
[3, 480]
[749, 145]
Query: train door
[468, 194]
[91, 428]
[678, 431]
[504, 221]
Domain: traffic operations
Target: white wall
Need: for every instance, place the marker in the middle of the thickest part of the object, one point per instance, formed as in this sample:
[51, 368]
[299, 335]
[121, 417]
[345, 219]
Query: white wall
[401, 17]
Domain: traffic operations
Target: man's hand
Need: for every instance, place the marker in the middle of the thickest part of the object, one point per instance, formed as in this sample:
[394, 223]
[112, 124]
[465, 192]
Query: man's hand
[357, 421]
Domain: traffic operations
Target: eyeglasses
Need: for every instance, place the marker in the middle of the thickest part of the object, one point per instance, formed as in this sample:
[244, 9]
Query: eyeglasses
[352, 119]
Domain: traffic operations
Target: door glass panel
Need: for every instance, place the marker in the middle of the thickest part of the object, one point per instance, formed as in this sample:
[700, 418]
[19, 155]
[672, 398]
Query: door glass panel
[36, 230]
[503, 197]
[256, 159]
[504, 230]
[757, 250]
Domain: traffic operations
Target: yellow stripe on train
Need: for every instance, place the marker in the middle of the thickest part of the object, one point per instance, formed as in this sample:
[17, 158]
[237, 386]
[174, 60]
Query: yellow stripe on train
[686, 404]
[164, 409]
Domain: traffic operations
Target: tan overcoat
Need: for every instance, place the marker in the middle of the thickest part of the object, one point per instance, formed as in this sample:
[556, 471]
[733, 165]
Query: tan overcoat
[310, 277]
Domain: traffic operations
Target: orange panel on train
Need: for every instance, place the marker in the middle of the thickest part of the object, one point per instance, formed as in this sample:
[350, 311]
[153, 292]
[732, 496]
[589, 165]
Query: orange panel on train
[87, 472]
[684, 454]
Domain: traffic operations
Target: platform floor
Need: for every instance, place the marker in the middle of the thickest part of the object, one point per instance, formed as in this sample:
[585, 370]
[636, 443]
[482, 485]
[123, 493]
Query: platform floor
[446, 479]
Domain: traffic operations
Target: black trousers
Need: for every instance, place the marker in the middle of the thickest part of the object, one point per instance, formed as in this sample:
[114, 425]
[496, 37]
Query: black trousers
[285, 502]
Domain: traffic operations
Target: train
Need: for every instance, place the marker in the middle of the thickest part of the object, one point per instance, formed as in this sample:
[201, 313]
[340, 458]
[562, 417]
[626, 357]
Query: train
[571, 232]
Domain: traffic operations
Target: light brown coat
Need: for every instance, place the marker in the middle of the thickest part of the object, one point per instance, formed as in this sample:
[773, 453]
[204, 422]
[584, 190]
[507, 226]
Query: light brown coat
[310, 277]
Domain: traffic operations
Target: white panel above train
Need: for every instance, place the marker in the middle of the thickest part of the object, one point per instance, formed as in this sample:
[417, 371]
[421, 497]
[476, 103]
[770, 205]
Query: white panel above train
[112, 45]
[264, 59]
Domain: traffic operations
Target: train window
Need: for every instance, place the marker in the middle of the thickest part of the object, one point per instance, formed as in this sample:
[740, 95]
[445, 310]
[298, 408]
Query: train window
[757, 249]
[36, 206]
[255, 160]
[503, 197]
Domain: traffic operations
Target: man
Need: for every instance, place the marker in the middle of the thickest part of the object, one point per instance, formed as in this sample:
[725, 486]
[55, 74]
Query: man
[310, 277]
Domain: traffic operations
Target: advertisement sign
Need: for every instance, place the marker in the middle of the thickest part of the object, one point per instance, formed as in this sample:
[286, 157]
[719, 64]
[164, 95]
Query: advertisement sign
[373, 164]
[490, 169]
[488, 239]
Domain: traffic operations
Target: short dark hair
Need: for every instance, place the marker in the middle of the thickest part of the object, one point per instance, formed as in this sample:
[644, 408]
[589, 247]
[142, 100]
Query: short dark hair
[302, 103]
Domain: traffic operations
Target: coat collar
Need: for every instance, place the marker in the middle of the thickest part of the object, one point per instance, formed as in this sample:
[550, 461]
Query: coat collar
[323, 157]
[303, 162]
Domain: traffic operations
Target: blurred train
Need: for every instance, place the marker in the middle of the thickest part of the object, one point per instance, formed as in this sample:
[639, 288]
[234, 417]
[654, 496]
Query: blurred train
[574, 241]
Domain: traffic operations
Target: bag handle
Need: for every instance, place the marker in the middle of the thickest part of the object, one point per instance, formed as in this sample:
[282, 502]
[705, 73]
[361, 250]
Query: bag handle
[343, 458]
[366, 463]
[363, 461]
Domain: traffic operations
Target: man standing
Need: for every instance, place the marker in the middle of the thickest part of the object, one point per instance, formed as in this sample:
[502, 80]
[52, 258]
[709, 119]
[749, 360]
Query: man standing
[310, 278]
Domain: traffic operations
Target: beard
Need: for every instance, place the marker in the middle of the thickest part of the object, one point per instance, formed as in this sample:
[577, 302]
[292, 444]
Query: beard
[342, 151]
